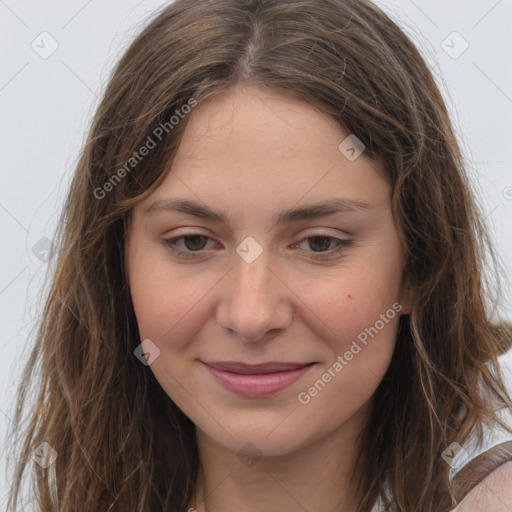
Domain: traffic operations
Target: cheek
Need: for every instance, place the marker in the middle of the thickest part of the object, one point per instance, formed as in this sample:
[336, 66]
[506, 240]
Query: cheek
[355, 313]
[344, 305]
[360, 337]
[167, 308]
[164, 301]
[171, 325]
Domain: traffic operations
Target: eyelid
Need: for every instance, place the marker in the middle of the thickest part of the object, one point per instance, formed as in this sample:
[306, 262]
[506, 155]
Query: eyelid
[341, 245]
[309, 232]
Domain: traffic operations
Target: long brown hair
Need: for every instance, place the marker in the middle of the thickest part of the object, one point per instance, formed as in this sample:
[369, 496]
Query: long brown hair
[121, 443]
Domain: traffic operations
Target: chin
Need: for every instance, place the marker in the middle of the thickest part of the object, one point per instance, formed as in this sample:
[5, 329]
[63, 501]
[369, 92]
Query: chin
[252, 441]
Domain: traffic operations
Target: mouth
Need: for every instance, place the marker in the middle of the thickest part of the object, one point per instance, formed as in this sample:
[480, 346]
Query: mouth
[256, 380]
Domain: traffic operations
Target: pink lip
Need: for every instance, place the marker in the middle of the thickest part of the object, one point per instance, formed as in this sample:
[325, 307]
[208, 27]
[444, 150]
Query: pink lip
[257, 380]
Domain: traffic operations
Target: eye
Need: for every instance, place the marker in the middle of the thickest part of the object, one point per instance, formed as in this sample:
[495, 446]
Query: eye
[192, 245]
[323, 244]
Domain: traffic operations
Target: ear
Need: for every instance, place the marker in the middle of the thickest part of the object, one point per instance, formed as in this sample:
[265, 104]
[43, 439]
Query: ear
[406, 300]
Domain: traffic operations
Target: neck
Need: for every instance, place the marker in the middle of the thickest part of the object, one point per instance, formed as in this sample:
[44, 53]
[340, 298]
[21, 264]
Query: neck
[314, 477]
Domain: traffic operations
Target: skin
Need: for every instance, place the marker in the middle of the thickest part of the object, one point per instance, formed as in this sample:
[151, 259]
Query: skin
[252, 152]
[493, 493]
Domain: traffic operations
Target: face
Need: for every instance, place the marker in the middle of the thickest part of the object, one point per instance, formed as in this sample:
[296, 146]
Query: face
[267, 244]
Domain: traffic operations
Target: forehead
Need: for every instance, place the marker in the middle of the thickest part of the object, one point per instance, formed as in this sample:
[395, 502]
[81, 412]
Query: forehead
[257, 121]
[257, 146]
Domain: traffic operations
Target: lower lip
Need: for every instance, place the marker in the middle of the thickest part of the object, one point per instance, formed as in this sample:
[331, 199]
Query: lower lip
[258, 385]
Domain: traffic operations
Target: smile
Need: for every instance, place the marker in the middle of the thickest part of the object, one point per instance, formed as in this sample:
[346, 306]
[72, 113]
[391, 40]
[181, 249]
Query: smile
[257, 380]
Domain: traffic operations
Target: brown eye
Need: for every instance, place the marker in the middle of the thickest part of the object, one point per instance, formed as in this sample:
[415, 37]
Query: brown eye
[190, 245]
[195, 242]
[320, 243]
[323, 246]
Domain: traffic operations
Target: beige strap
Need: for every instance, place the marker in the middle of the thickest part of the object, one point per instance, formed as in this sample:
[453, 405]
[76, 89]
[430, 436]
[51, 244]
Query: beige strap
[479, 468]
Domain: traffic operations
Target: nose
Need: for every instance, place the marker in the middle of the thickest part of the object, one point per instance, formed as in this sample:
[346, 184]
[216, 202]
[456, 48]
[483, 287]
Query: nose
[254, 300]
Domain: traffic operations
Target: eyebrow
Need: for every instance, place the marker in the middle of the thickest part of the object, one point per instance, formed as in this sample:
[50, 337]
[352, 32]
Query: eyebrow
[327, 207]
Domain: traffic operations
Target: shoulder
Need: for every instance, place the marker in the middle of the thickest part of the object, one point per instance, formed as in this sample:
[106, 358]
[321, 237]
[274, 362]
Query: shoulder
[493, 493]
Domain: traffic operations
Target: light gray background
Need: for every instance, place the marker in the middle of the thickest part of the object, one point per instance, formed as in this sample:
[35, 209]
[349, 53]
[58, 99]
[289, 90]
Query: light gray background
[47, 104]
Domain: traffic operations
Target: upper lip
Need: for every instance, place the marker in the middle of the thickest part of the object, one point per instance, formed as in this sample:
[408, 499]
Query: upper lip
[247, 369]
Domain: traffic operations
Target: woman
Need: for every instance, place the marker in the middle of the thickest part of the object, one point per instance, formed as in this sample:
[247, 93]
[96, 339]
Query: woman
[269, 293]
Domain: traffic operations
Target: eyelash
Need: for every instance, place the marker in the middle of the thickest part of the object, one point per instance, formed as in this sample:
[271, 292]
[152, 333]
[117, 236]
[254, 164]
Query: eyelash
[341, 246]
